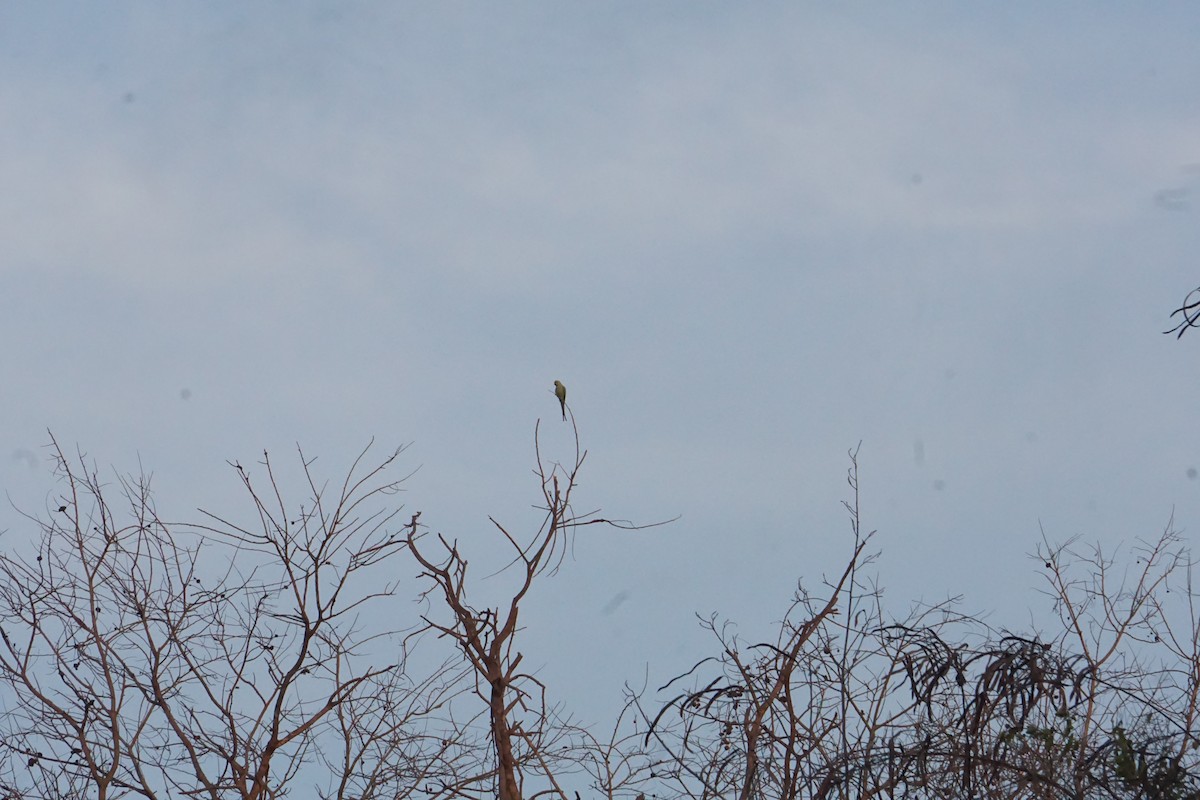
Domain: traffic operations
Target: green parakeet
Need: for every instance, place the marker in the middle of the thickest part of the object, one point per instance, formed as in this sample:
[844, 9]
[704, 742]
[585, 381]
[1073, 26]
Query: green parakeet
[560, 392]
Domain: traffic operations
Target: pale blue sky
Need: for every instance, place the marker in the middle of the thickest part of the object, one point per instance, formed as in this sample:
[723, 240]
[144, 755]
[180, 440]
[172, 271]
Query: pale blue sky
[745, 236]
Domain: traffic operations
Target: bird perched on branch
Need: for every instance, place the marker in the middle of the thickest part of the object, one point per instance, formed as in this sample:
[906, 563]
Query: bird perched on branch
[560, 392]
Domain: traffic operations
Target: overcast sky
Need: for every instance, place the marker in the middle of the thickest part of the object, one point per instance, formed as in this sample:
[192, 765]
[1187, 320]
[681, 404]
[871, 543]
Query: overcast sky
[745, 236]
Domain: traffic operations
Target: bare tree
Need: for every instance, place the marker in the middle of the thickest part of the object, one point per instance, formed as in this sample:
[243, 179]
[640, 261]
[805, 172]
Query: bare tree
[147, 659]
[527, 737]
[779, 718]
[848, 702]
